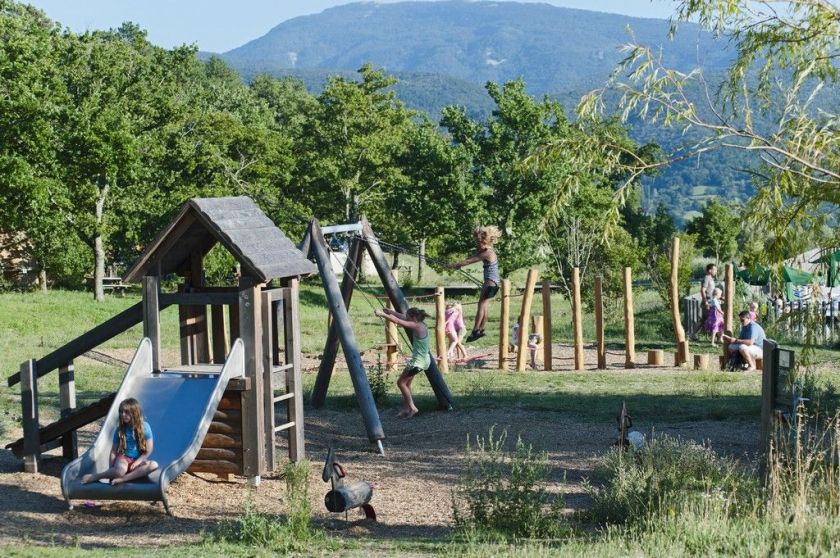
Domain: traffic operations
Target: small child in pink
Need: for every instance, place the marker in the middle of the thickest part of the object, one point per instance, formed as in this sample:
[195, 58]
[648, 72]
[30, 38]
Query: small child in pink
[455, 330]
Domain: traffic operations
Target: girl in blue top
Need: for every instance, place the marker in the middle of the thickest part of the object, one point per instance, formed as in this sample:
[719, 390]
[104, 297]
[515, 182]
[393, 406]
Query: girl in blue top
[133, 443]
[485, 238]
[420, 359]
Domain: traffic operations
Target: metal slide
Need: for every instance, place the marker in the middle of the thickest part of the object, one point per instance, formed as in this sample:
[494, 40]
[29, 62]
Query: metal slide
[179, 406]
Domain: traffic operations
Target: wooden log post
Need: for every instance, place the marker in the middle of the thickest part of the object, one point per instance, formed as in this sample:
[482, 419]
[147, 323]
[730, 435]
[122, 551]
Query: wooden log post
[325, 369]
[577, 319]
[728, 305]
[701, 362]
[29, 418]
[253, 420]
[268, 364]
[392, 288]
[391, 342]
[679, 332]
[294, 376]
[546, 329]
[629, 321]
[151, 317]
[656, 357]
[504, 325]
[599, 323]
[67, 402]
[361, 385]
[525, 312]
[440, 331]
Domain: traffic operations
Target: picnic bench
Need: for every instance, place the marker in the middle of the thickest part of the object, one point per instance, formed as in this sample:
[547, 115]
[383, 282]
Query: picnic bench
[109, 284]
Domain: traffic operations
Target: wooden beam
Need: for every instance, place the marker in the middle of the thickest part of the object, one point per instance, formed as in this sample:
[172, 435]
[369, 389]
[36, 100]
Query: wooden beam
[219, 337]
[524, 319]
[341, 318]
[151, 316]
[294, 377]
[629, 321]
[577, 319]
[29, 416]
[199, 298]
[267, 308]
[67, 403]
[250, 331]
[504, 325]
[440, 332]
[599, 323]
[679, 332]
[394, 292]
[546, 329]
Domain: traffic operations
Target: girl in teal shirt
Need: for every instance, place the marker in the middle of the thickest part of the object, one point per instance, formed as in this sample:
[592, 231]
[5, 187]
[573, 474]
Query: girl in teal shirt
[420, 359]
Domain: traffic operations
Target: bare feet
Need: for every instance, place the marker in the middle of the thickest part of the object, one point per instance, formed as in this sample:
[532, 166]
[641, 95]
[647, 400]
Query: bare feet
[87, 479]
[116, 481]
[408, 413]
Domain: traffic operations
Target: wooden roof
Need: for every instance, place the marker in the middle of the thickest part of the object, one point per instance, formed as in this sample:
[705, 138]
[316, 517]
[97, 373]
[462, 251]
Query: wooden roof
[261, 249]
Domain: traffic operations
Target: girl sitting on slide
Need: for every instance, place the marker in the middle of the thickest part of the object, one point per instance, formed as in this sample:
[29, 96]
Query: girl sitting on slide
[133, 443]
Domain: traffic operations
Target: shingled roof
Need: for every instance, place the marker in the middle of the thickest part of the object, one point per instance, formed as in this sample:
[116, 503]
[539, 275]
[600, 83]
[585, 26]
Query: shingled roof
[261, 249]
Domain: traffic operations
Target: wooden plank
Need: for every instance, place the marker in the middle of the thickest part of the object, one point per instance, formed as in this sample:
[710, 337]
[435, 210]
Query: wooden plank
[524, 319]
[226, 454]
[600, 341]
[294, 378]
[629, 321]
[219, 342]
[233, 321]
[29, 416]
[217, 427]
[67, 404]
[504, 325]
[222, 441]
[199, 298]
[546, 332]
[250, 331]
[216, 466]
[151, 316]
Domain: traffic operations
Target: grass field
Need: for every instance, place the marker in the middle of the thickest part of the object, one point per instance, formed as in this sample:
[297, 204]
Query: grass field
[33, 324]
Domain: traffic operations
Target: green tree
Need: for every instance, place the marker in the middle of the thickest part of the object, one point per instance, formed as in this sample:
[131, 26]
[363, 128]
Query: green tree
[786, 56]
[717, 229]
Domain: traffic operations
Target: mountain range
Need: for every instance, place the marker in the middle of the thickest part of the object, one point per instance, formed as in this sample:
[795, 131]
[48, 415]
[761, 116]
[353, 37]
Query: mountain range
[444, 52]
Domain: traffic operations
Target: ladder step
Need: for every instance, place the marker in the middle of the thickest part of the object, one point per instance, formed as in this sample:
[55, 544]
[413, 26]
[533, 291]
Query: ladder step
[284, 426]
[283, 397]
[281, 367]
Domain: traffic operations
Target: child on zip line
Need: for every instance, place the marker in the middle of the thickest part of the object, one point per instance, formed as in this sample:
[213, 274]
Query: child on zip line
[485, 238]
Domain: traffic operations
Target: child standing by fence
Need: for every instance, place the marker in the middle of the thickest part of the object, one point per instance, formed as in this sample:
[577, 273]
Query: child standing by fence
[714, 322]
[485, 238]
[455, 330]
[132, 445]
[420, 358]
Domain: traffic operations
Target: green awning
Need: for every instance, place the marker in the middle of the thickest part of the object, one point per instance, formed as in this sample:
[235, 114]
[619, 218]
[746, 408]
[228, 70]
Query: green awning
[758, 276]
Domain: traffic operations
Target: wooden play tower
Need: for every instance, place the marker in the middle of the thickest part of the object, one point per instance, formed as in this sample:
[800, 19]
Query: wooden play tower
[241, 438]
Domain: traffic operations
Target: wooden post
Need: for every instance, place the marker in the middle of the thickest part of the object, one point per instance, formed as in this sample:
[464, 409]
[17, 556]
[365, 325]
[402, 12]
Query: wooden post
[392, 339]
[440, 333]
[392, 288]
[656, 357]
[67, 402]
[546, 329]
[325, 369]
[294, 377]
[537, 327]
[151, 316]
[599, 323]
[679, 332]
[268, 380]
[577, 319]
[253, 421]
[525, 312]
[701, 362]
[421, 259]
[504, 325]
[729, 296]
[629, 322]
[220, 342]
[29, 418]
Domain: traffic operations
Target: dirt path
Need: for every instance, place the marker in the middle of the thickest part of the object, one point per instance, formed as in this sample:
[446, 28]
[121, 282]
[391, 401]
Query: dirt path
[414, 479]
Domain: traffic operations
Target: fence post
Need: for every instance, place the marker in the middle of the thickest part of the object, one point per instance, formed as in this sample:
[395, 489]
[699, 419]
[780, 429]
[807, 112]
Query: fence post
[729, 285]
[391, 334]
[577, 319]
[29, 405]
[546, 332]
[629, 322]
[599, 322]
[527, 298]
[440, 332]
[67, 401]
[504, 325]
[682, 346]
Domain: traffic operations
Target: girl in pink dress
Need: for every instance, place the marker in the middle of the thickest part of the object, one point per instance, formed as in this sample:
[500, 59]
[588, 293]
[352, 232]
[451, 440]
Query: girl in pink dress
[714, 323]
[455, 329]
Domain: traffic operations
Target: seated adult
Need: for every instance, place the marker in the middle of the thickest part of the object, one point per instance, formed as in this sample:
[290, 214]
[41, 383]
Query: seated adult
[749, 342]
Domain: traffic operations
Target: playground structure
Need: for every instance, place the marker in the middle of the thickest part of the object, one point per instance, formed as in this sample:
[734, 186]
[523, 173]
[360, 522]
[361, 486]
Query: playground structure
[221, 418]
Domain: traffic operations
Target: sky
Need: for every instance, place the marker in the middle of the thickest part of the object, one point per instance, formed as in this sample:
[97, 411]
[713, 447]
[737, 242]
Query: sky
[221, 25]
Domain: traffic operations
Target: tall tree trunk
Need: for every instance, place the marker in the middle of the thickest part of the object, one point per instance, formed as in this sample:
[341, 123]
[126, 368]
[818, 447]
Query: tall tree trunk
[42, 279]
[99, 245]
[395, 261]
[421, 259]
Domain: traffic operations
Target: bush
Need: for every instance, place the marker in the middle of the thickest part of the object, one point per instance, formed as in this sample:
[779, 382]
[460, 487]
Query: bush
[503, 494]
[378, 380]
[659, 478]
[285, 534]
